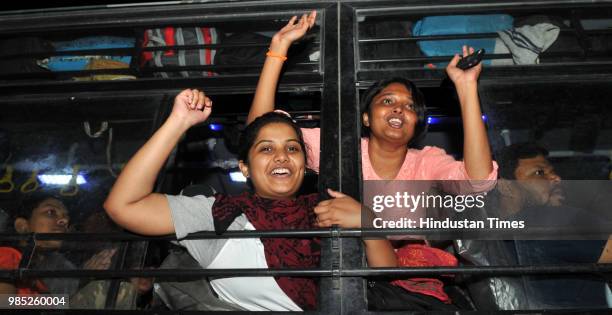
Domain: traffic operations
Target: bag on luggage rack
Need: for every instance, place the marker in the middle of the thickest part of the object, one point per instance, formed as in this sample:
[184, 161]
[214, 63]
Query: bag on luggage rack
[180, 36]
[81, 62]
[249, 55]
[459, 24]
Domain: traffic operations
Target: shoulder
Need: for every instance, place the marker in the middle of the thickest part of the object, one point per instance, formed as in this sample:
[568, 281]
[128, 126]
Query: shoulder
[311, 132]
[428, 151]
[9, 251]
[430, 154]
[180, 201]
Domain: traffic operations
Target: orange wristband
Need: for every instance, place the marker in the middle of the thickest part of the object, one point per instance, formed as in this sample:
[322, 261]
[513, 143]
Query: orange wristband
[275, 55]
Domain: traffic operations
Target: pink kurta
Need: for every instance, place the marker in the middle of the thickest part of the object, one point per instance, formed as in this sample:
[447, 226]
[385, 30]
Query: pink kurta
[430, 163]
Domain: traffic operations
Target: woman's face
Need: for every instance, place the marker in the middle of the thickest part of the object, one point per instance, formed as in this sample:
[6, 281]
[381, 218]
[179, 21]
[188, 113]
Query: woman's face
[50, 216]
[276, 162]
[392, 117]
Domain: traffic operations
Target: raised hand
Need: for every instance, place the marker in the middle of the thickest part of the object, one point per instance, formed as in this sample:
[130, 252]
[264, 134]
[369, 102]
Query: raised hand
[341, 210]
[292, 31]
[101, 260]
[191, 107]
[459, 76]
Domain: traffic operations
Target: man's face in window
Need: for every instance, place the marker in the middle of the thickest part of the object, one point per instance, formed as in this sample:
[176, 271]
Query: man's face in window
[49, 216]
[539, 182]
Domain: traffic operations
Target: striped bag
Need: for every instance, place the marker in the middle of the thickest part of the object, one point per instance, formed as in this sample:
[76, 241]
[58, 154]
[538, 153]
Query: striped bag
[179, 36]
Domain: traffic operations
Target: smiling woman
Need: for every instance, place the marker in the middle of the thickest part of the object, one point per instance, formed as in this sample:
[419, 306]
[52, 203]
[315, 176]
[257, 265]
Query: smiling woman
[272, 157]
[396, 102]
[275, 160]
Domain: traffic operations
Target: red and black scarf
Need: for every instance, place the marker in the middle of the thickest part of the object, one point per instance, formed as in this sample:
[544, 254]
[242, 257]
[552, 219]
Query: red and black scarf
[269, 214]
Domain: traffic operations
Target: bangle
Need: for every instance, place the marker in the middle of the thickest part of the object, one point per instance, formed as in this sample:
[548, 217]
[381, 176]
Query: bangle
[275, 55]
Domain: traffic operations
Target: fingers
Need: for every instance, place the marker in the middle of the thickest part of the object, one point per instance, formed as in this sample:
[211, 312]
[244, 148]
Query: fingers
[302, 24]
[184, 97]
[465, 50]
[195, 99]
[207, 106]
[291, 21]
[306, 21]
[201, 100]
[107, 255]
[188, 98]
[324, 203]
[101, 260]
[326, 220]
[312, 17]
[303, 20]
[320, 208]
[335, 194]
[325, 216]
[454, 61]
[324, 224]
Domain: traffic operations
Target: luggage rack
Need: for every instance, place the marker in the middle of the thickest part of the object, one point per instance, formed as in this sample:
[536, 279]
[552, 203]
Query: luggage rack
[131, 23]
[583, 39]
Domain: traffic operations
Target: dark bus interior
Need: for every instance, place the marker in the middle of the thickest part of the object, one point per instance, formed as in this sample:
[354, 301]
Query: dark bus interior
[83, 85]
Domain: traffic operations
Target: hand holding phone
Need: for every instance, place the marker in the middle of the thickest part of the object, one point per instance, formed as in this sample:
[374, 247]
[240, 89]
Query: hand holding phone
[471, 60]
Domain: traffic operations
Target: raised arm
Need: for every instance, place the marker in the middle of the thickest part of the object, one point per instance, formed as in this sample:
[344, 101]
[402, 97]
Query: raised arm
[476, 150]
[346, 212]
[263, 101]
[131, 202]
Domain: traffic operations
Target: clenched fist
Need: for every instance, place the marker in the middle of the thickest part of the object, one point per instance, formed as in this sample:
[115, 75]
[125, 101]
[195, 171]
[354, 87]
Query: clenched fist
[191, 107]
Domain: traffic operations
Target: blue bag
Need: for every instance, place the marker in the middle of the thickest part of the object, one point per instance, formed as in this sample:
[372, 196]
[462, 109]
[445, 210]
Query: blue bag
[459, 24]
[76, 63]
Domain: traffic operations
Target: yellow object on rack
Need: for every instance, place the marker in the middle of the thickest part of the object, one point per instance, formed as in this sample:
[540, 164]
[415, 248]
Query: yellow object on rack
[6, 182]
[72, 188]
[103, 64]
[31, 184]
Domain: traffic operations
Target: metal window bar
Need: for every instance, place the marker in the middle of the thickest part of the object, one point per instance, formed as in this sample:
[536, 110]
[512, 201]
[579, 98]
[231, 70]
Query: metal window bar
[136, 60]
[131, 50]
[113, 289]
[465, 36]
[492, 271]
[324, 233]
[583, 40]
[431, 59]
[35, 90]
[579, 56]
[146, 71]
